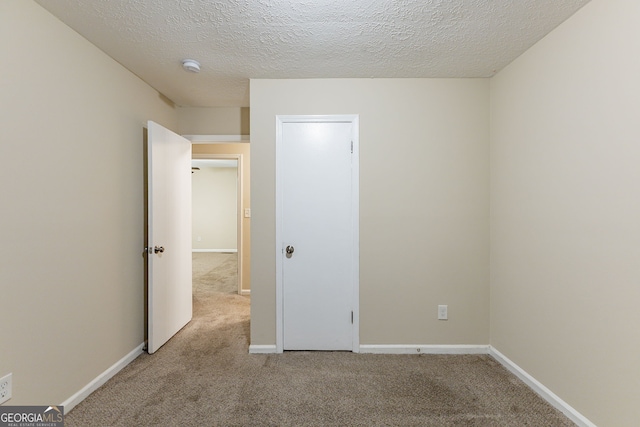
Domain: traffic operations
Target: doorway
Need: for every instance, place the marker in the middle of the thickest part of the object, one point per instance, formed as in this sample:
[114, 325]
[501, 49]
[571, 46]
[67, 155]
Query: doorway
[317, 270]
[238, 153]
[217, 213]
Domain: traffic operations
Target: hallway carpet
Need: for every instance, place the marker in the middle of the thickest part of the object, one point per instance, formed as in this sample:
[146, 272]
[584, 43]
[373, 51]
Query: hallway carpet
[204, 376]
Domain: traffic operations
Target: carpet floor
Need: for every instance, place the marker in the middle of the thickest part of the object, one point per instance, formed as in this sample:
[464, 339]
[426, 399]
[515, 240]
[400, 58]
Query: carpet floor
[204, 376]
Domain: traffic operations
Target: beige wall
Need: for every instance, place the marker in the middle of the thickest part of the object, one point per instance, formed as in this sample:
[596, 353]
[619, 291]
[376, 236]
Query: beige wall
[565, 212]
[242, 149]
[213, 120]
[424, 183]
[71, 174]
[215, 208]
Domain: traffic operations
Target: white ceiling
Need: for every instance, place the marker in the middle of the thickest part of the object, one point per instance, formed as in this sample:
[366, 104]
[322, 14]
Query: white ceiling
[236, 40]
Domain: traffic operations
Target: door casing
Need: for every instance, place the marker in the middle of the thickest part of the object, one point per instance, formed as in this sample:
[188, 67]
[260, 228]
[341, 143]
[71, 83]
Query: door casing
[280, 121]
[240, 207]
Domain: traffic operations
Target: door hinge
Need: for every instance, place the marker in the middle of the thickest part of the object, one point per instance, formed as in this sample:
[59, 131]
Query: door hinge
[352, 317]
[351, 147]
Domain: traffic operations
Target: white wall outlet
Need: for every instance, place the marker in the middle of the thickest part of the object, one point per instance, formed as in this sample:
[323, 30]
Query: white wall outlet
[5, 388]
[442, 312]
[247, 213]
[199, 238]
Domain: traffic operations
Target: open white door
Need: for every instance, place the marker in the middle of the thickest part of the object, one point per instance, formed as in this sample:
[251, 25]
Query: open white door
[169, 233]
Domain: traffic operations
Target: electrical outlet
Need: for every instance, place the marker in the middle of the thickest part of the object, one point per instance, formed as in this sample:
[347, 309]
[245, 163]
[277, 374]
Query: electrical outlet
[5, 388]
[442, 312]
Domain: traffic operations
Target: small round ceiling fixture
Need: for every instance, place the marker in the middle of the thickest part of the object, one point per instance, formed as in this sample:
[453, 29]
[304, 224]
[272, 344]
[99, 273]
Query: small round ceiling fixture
[191, 65]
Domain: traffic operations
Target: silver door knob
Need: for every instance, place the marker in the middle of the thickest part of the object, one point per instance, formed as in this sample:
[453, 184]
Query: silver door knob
[289, 251]
[158, 249]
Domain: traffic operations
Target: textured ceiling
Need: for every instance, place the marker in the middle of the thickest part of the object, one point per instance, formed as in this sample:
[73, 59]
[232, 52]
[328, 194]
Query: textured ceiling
[236, 40]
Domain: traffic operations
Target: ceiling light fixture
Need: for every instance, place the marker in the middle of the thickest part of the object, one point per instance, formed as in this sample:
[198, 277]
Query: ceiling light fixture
[191, 65]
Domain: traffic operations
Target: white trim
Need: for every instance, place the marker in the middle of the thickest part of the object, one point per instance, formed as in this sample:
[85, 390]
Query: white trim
[262, 349]
[245, 292]
[354, 119]
[215, 250]
[541, 390]
[278, 242]
[216, 139]
[423, 349]
[98, 381]
[355, 208]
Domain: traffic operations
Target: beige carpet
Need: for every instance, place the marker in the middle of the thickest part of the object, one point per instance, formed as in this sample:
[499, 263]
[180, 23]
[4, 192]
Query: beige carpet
[204, 376]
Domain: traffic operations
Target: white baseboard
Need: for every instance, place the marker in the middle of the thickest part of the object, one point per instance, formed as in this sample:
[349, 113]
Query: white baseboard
[245, 292]
[543, 391]
[423, 349]
[97, 382]
[262, 349]
[215, 250]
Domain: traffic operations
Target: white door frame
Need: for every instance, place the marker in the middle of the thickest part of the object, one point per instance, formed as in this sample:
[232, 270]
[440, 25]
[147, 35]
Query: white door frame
[240, 210]
[355, 174]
